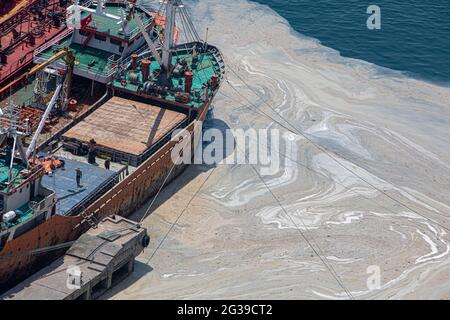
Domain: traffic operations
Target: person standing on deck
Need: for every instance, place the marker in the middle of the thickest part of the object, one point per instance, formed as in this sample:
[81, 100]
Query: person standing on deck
[79, 176]
[107, 164]
[92, 153]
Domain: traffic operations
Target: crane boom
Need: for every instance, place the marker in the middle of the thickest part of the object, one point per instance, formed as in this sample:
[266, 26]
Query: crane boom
[44, 118]
[149, 41]
[56, 56]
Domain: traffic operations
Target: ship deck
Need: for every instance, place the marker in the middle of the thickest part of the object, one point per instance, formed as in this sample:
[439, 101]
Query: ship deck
[63, 183]
[112, 27]
[203, 70]
[23, 95]
[28, 210]
[96, 62]
[4, 174]
[126, 127]
[87, 59]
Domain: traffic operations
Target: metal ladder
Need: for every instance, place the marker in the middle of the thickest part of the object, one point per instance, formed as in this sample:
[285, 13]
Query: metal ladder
[90, 218]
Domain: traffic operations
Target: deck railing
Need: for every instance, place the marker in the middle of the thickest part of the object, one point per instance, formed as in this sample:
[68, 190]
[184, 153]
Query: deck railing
[105, 72]
[113, 67]
[58, 38]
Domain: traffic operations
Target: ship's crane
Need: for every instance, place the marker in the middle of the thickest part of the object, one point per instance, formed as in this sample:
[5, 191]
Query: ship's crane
[68, 58]
[11, 129]
[149, 41]
[62, 87]
[171, 10]
[165, 58]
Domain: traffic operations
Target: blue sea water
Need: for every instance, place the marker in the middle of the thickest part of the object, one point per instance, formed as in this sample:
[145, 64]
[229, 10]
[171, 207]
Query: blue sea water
[414, 37]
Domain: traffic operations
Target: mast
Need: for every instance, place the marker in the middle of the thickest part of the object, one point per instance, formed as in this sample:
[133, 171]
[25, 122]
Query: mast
[171, 7]
[99, 9]
[11, 128]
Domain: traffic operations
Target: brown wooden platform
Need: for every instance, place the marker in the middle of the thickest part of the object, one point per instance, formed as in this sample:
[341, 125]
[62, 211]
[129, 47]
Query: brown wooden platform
[126, 126]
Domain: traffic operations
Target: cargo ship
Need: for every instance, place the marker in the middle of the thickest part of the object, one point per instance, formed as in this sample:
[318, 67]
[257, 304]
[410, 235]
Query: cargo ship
[151, 94]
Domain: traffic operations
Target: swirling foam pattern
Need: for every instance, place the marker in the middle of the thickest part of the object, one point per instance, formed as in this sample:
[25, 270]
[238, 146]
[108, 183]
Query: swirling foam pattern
[235, 241]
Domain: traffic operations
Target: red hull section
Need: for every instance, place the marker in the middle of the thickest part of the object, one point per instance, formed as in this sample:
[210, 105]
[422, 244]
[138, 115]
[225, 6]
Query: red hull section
[30, 27]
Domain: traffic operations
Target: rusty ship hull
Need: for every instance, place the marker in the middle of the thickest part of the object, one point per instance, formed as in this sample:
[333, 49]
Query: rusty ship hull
[123, 199]
[149, 96]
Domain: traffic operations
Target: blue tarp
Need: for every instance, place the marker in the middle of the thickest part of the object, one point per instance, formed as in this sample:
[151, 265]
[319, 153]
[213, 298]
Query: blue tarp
[63, 182]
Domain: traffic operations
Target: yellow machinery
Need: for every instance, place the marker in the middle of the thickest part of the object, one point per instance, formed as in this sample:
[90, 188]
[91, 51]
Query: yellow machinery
[64, 54]
[14, 11]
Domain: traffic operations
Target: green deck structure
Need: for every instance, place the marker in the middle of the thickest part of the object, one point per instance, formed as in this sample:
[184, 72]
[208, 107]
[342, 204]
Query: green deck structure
[25, 212]
[203, 70]
[96, 61]
[93, 63]
[92, 59]
[111, 27]
[4, 175]
[24, 95]
[89, 59]
[27, 209]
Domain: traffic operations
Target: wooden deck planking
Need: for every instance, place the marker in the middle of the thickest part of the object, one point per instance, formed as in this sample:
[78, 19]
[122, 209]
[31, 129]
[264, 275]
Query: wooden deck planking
[125, 125]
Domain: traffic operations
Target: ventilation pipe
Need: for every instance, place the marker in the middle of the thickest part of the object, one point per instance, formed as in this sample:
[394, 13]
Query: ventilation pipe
[145, 68]
[188, 75]
[134, 63]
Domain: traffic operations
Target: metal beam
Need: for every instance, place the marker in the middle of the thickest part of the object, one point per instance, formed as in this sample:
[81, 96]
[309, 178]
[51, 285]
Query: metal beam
[169, 30]
[44, 118]
[22, 152]
[13, 151]
[149, 41]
